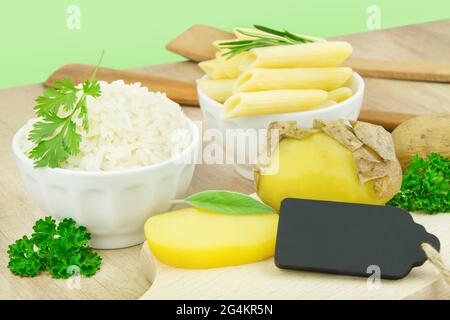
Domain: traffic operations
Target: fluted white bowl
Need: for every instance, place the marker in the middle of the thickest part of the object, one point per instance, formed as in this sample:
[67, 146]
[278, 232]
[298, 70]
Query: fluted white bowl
[112, 205]
[348, 109]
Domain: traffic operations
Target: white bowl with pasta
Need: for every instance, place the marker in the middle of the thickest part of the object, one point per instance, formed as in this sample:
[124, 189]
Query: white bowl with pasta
[211, 110]
[113, 203]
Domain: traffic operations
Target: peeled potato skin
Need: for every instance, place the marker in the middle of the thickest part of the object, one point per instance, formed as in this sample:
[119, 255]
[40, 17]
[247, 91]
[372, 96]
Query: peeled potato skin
[422, 135]
[199, 239]
[316, 168]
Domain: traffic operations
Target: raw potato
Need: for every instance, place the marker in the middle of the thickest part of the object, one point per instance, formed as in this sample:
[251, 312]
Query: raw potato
[199, 239]
[422, 135]
[317, 168]
[333, 161]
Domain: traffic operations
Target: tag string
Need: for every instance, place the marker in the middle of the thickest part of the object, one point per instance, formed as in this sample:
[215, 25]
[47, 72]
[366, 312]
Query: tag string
[436, 259]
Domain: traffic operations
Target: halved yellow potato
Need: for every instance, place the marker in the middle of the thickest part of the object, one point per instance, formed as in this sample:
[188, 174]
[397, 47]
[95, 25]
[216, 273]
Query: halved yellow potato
[199, 239]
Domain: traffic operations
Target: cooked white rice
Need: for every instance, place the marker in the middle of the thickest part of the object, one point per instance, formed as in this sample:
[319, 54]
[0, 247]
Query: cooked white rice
[129, 127]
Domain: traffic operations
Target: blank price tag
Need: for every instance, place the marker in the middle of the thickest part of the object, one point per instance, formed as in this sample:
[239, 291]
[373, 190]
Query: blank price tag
[345, 238]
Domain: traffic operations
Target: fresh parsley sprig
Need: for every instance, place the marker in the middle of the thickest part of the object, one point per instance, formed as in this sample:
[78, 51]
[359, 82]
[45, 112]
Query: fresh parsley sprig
[269, 37]
[59, 249]
[55, 135]
[425, 186]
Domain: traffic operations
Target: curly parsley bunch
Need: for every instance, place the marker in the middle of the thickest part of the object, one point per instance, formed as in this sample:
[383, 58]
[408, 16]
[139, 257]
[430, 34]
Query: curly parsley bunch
[54, 248]
[426, 185]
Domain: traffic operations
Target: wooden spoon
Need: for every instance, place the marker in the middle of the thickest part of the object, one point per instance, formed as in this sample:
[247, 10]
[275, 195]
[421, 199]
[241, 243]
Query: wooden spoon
[195, 44]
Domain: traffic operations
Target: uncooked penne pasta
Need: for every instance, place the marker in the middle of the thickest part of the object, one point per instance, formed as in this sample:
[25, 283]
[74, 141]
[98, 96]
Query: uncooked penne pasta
[259, 79]
[316, 54]
[230, 65]
[273, 101]
[328, 103]
[219, 90]
[213, 69]
[340, 94]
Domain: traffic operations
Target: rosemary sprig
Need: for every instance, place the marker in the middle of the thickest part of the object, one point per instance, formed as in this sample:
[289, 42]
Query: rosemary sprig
[269, 37]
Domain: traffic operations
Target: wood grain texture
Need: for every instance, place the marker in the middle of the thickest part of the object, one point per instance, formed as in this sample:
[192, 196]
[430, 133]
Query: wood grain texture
[263, 280]
[425, 42]
[183, 92]
[389, 120]
[121, 276]
[402, 70]
[420, 70]
[196, 42]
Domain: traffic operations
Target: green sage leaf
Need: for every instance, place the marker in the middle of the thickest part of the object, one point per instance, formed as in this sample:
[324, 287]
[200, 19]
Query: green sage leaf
[226, 202]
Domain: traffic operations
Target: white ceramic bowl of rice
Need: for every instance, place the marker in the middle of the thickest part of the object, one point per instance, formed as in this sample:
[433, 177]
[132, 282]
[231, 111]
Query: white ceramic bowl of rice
[138, 154]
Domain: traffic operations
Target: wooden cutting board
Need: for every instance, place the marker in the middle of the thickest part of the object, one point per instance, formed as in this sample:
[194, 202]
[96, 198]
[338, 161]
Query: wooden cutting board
[121, 276]
[263, 280]
[196, 44]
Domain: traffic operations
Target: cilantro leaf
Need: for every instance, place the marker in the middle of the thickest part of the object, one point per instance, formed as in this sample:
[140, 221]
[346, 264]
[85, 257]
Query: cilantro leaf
[61, 248]
[55, 97]
[425, 186]
[91, 88]
[46, 128]
[51, 152]
[71, 139]
[56, 136]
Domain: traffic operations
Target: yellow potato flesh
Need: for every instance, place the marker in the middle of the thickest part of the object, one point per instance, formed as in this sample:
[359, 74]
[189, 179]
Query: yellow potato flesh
[200, 239]
[317, 168]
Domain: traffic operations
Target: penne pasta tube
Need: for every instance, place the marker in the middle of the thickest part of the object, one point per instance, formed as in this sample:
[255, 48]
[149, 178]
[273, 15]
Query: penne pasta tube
[270, 102]
[309, 55]
[219, 90]
[328, 103]
[212, 69]
[340, 94]
[230, 65]
[292, 78]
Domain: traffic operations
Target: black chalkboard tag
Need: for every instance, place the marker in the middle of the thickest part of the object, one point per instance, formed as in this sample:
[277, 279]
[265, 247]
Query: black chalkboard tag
[347, 238]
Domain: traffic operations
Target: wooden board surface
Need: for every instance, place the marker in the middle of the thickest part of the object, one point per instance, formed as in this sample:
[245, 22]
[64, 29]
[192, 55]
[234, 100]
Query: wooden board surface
[121, 276]
[428, 41]
[263, 280]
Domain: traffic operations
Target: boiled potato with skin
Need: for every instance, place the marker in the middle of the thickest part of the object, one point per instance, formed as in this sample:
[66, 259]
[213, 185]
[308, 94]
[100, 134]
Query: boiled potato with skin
[318, 168]
[422, 135]
[199, 239]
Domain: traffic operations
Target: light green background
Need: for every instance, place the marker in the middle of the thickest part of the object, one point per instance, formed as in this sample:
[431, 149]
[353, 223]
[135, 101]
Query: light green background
[35, 40]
